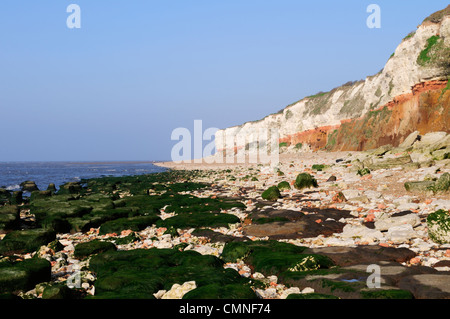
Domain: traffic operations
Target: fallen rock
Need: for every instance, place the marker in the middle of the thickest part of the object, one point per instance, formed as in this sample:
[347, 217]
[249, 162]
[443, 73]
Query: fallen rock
[362, 233]
[410, 140]
[385, 224]
[400, 234]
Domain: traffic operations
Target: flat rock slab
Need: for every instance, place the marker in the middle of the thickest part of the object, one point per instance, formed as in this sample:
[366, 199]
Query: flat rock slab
[392, 272]
[347, 256]
[216, 237]
[307, 227]
[428, 286]
[310, 222]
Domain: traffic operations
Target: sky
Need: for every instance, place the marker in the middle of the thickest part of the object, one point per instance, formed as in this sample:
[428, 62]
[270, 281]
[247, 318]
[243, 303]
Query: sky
[136, 70]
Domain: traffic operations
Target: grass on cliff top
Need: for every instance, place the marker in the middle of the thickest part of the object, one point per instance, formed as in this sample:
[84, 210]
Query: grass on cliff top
[438, 16]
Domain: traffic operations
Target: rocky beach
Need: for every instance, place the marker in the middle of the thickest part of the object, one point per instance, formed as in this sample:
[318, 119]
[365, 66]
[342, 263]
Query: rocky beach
[354, 206]
[311, 227]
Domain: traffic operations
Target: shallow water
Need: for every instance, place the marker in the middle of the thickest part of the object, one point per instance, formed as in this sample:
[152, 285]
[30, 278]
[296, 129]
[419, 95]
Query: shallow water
[44, 173]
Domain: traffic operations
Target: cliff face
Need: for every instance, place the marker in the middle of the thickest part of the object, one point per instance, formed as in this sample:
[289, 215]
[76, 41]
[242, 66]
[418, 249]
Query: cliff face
[411, 93]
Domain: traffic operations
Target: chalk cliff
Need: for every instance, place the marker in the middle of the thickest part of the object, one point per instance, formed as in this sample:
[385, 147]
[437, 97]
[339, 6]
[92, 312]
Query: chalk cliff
[410, 94]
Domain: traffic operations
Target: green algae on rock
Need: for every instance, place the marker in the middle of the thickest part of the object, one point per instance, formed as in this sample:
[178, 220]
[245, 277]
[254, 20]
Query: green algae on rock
[305, 180]
[198, 219]
[284, 186]
[141, 273]
[438, 224]
[92, 247]
[273, 257]
[25, 241]
[23, 275]
[271, 194]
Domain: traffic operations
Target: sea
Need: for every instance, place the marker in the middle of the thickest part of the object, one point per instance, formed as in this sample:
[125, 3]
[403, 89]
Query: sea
[59, 173]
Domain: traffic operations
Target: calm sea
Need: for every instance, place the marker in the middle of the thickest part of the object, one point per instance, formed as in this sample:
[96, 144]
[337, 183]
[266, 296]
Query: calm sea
[44, 173]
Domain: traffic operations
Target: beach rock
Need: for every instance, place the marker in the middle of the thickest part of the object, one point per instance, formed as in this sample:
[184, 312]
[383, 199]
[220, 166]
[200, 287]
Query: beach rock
[400, 234]
[420, 187]
[5, 196]
[29, 186]
[216, 237]
[386, 223]
[363, 233]
[284, 186]
[178, 291]
[92, 247]
[390, 163]
[438, 224]
[443, 183]
[304, 227]
[289, 291]
[346, 256]
[9, 217]
[350, 194]
[332, 178]
[70, 188]
[57, 291]
[305, 180]
[17, 198]
[24, 275]
[271, 194]
[410, 140]
[427, 286]
[429, 139]
[382, 150]
[51, 187]
[441, 154]
[24, 241]
[40, 195]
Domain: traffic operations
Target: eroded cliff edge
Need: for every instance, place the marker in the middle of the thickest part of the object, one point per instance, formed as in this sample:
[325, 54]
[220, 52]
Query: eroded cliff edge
[410, 94]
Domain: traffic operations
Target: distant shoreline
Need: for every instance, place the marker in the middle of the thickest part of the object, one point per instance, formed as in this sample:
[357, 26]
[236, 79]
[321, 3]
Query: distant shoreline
[87, 162]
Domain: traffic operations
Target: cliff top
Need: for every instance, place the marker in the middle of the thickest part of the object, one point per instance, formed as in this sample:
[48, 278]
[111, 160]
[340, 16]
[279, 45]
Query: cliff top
[438, 16]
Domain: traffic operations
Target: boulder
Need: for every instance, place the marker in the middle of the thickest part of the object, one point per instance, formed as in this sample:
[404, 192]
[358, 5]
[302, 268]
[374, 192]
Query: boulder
[51, 187]
[443, 183]
[86, 249]
[271, 194]
[9, 217]
[70, 188]
[305, 180]
[284, 186]
[29, 186]
[390, 162]
[385, 224]
[400, 234]
[430, 139]
[24, 275]
[17, 198]
[5, 196]
[409, 141]
[438, 224]
[419, 187]
[26, 241]
[362, 233]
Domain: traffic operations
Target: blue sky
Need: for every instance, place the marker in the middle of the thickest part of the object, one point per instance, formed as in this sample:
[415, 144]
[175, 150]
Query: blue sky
[117, 87]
